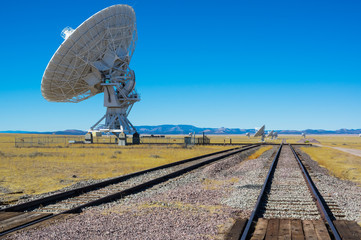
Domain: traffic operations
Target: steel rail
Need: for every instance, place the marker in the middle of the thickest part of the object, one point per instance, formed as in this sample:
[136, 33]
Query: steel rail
[134, 189]
[247, 229]
[317, 198]
[152, 182]
[81, 190]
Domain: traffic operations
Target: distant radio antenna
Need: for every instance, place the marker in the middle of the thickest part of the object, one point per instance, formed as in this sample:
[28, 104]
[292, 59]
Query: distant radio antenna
[304, 135]
[272, 134]
[275, 135]
[248, 135]
[261, 133]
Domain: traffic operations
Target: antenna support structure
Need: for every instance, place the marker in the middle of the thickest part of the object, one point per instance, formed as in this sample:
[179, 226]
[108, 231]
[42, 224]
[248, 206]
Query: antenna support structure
[119, 96]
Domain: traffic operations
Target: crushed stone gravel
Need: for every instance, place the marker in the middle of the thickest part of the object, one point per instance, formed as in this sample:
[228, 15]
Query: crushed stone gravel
[345, 193]
[199, 205]
[187, 207]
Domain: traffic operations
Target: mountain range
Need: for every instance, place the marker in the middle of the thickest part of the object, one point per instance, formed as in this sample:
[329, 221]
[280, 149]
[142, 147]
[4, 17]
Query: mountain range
[186, 129]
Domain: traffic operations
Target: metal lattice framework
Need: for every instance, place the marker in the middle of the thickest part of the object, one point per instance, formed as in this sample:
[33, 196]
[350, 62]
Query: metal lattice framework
[95, 58]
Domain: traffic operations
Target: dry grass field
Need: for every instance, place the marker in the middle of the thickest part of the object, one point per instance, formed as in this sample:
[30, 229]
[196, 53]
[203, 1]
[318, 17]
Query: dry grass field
[28, 171]
[344, 141]
[342, 165]
[259, 152]
[244, 139]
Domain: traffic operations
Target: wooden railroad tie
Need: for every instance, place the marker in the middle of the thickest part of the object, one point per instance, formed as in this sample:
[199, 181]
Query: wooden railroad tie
[295, 229]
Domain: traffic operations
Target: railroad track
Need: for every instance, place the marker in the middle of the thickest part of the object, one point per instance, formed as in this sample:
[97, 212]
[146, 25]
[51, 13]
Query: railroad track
[287, 194]
[73, 201]
[290, 206]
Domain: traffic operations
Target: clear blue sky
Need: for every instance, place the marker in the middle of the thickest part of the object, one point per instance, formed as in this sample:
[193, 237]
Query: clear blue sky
[238, 64]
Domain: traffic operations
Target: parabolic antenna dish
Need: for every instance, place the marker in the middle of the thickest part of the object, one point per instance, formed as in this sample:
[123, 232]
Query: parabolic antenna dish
[260, 132]
[275, 135]
[103, 41]
[270, 134]
[95, 58]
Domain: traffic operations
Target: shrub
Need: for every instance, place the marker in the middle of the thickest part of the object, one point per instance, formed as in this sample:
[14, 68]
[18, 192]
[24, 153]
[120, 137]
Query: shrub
[36, 154]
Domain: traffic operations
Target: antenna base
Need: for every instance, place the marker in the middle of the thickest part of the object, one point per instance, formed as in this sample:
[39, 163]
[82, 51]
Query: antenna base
[116, 121]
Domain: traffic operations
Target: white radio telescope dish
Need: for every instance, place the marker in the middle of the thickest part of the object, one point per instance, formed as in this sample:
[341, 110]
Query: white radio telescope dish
[248, 134]
[275, 135]
[261, 133]
[94, 58]
[304, 135]
[270, 134]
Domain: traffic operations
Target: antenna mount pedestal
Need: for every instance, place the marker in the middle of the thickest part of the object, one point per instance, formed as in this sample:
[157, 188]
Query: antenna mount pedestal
[115, 118]
[262, 137]
[119, 101]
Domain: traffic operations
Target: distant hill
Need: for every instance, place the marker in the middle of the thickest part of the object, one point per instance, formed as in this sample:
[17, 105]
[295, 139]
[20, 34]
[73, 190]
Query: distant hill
[186, 129]
[65, 132]
[321, 131]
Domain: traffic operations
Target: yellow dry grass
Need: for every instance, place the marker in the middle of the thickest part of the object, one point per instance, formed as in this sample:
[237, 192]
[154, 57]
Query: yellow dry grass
[259, 152]
[340, 164]
[221, 139]
[180, 206]
[212, 184]
[344, 141]
[350, 141]
[39, 170]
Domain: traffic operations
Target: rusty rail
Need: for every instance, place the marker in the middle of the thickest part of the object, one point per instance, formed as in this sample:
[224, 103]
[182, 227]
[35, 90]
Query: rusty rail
[320, 204]
[81, 190]
[120, 194]
[247, 229]
[315, 194]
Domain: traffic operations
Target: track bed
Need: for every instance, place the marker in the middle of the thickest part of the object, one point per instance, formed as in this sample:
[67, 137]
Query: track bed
[75, 200]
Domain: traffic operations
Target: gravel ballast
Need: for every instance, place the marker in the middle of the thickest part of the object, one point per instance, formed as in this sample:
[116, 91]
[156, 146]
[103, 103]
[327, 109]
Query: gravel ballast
[288, 195]
[202, 204]
[345, 193]
[118, 186]
[187, 207]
